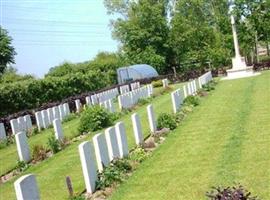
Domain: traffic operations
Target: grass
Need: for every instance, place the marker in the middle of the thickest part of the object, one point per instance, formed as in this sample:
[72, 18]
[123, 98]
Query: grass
[9, 156]
[226, 140]
[51, 173]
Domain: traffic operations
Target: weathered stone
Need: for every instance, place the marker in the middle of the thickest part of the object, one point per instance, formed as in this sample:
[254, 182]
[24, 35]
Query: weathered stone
[88, 162]
[22, 147]
[26, 188]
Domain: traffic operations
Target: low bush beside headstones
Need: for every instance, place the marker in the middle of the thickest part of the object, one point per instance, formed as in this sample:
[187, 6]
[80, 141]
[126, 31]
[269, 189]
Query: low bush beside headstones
[94, 118]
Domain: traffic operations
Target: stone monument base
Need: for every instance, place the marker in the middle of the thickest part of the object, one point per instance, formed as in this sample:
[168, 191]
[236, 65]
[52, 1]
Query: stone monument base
[240, 73]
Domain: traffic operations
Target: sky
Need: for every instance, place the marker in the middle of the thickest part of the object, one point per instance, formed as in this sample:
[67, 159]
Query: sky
[48, 32]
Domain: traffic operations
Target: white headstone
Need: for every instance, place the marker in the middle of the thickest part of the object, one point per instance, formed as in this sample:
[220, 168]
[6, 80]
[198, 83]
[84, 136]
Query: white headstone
[3, 135]
[28, 122]
[78, 105]
[50, 115]
[88, 101]
[165, 83]
[14, 126]
[39, 120]
[111, 106]
[61, 112]
[22, 147]
[151, 119]
[21, 123]
[112, 144]
[121, 139]
[88, 162]
[58, 131]
[56, 114]
[101, 151]
[137, 128]
[26, 188]
[66, 109]
[45, 118]
[185, 91]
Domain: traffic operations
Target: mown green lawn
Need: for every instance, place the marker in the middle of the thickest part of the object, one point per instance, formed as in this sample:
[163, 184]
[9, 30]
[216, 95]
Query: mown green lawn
[51, 173]
[226, 140]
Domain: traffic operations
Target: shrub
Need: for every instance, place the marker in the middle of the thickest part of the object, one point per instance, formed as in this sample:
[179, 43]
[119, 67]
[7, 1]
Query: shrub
[39, 153]
[94, 118]
[179, 116]
[192, 100]
[143, 101]
[210, 86]
[157, 83]
[230, 193]
[70, 117]
[77, 198]
[138, 155]
[114, 173]
[53, 144]
[166, 121]
[21, 165]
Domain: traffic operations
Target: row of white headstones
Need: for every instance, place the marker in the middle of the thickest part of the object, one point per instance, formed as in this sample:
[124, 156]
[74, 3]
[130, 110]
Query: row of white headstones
[45, 118]
[98, 153]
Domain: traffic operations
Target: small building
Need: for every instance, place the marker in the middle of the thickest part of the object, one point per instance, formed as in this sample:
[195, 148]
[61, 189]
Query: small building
[135, 72]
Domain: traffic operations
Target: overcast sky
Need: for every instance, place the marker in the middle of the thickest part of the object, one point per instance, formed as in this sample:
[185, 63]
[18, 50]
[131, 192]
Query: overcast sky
[48, 32]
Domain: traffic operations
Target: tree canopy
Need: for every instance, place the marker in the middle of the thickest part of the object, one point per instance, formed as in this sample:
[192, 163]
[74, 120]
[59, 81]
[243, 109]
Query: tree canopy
[187, 34]
[7, 51]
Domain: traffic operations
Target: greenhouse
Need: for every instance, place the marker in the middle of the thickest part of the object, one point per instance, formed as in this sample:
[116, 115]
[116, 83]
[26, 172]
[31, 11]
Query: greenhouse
[135, 72]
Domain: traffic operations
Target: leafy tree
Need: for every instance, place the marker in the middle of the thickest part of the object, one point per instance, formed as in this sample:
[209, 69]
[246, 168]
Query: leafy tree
[7, 51]
[201, 33]
[254, 23]
[143, 30]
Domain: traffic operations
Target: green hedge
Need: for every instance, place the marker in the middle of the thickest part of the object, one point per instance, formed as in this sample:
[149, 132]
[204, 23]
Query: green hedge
[30, 94]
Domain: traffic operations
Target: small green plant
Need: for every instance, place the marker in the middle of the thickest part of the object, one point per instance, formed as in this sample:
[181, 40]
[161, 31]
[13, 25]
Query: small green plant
[210, 86]
[187, 109]
[157, 83]
[192, 100]
[94, 118]
[138, 155]
[80, 197]
[179, 116]
[5, 142]
[21, 166]
[122, 164]
[230, 193]
[34, 131]
[39, 153]
[53, 144]
[143, 101]
[166, 121]
[116, 172]
[70, 117]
